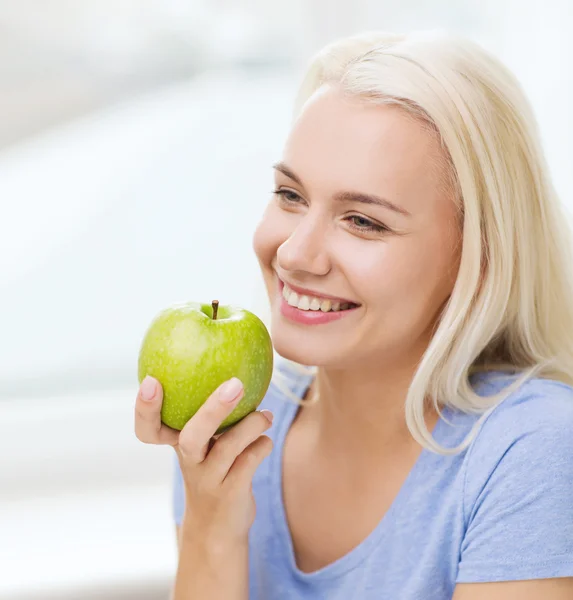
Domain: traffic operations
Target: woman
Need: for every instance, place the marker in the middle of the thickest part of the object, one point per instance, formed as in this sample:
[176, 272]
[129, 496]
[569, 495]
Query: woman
[416, 262]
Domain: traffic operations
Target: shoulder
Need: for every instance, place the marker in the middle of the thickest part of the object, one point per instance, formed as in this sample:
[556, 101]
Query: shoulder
[539, 407]
[526, 440]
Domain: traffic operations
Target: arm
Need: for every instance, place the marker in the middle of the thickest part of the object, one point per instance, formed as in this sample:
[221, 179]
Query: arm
[210, 573]
[178, 537]
[216, 481]
[548, 589]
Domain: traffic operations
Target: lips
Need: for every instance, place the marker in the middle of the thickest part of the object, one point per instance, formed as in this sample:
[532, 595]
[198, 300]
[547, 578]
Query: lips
[313, 303]
[319, 295]
[315, 313]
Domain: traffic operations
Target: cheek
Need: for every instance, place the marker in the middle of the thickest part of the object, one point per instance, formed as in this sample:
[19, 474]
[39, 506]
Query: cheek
[427, 276]
[408, 276]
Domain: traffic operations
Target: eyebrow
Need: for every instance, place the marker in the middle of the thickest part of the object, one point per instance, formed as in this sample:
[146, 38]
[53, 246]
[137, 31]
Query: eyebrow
[347, 196]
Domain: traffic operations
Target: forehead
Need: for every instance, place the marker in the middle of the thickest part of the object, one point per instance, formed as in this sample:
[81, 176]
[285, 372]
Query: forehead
[341, 143]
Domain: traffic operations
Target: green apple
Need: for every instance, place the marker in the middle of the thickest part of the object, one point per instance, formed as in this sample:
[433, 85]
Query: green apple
[192, 348]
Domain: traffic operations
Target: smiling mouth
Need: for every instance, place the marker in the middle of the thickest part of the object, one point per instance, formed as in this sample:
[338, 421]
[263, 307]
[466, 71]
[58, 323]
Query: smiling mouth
[313, 303]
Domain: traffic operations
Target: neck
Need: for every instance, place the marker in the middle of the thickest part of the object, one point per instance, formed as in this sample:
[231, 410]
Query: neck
[360, 413]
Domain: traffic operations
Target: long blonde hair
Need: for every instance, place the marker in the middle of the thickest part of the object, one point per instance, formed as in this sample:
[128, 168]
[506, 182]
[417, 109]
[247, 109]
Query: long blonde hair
[511, 308]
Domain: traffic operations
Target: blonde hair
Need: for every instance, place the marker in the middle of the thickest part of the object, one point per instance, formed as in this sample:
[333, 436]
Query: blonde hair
[511, 308]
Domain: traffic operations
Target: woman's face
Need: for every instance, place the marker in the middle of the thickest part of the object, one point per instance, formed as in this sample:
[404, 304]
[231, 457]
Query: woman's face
[360, 215]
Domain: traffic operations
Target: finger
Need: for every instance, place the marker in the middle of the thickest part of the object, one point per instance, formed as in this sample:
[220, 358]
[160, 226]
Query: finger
[183, 458]
[243, 470]
[232, 443]
[198, 431]
[148, 426]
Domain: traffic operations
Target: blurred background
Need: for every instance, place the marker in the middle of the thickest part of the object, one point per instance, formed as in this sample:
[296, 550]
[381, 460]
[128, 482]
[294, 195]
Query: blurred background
[136, 144]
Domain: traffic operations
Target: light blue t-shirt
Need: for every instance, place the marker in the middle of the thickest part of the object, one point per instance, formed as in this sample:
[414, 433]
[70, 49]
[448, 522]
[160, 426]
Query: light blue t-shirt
[501, 510]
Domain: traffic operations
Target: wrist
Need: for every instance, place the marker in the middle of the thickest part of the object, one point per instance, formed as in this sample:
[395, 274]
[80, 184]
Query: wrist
[211, 568]
[211, 544]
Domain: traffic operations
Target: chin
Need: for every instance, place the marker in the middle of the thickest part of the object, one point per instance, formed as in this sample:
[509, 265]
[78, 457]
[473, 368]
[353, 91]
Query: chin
[305, 350]
[295, 354]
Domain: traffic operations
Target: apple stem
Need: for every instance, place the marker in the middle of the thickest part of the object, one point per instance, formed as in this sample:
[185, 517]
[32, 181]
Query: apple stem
[215, 305]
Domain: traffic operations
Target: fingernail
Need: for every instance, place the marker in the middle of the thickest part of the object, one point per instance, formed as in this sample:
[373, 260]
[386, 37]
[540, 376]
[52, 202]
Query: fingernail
[230, 390]
[147, 389]
[268, 414]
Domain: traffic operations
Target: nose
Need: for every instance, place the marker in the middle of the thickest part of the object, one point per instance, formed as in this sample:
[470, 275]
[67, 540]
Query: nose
[305, 249]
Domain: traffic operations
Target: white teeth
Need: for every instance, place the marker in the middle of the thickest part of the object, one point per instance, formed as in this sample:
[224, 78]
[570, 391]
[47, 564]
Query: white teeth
[304, 302]
[314, 304]
[293, 299]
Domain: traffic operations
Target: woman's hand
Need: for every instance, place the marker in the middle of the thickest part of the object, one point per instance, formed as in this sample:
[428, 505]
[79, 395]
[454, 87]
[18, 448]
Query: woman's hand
[217, 470]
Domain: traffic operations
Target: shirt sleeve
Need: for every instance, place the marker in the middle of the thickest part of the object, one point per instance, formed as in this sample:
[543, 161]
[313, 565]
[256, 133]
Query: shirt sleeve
[519, 492]
[178, 492]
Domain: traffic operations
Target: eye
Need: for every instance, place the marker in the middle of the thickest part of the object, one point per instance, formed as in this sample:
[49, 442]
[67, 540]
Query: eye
[363, 224]
[288, 196]
[357, 222]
